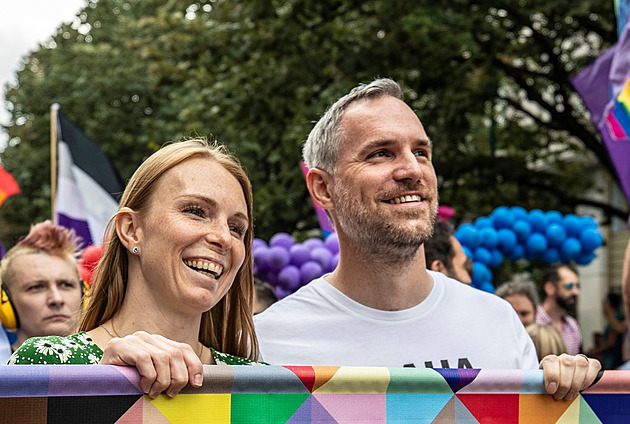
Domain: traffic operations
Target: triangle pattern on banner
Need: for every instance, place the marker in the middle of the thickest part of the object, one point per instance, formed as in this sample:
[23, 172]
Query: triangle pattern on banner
[541, 408]
[490, 407]
[206, 408]
[609, 407]
[265, 407]
[462, 414]
[322, 375]
[311, 411]
[416, 407]
[354, 408]
[457, 379]
[305, 374]
[89, 409]
[447, 414]
[572, 414]
[134, 414]
[587, 415]
[150, 414]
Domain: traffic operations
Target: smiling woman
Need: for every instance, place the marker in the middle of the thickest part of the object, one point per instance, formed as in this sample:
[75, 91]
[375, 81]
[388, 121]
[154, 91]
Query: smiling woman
[176, 275]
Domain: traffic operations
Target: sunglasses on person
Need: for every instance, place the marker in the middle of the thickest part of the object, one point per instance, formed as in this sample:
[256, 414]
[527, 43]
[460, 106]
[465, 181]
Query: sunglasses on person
[569, 286]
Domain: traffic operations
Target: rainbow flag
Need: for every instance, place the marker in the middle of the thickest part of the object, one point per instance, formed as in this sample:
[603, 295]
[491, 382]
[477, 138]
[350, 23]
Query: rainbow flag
[8, 186]
[605, 89]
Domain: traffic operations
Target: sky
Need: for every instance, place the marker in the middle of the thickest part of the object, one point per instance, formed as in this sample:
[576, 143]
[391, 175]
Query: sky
[24, 24]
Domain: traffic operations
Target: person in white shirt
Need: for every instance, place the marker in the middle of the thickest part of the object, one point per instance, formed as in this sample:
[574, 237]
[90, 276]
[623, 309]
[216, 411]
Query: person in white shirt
[371, 169]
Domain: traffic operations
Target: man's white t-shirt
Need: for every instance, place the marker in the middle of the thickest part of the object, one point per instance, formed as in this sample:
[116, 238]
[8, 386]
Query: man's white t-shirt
[456, 326]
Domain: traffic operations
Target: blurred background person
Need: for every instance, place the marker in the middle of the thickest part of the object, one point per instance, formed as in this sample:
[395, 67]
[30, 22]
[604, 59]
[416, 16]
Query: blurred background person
[610, 350]
[264, 296]
[547, 340]
[443, 253]
[561, 287]
[41, 288]
[523, 297]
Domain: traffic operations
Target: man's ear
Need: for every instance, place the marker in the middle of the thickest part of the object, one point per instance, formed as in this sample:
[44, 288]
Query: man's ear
[438, 265]
[319, 185]
[127, 228]
[549, 288]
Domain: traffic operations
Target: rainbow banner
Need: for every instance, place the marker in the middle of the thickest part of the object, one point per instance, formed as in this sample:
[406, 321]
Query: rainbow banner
[274, 394]
[8, 186]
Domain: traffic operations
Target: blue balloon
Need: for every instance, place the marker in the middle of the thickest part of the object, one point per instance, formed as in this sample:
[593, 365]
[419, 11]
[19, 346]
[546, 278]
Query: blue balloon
[570, 249]
[487, 286]
[554, 217]
[538, 220]
[550, 256]
[536, 244]
[518, 212]
[282, 239]
[588, 222]
[481, 273]
[591, 239]
[482, 255]
[502, 217]
[483, 221]
[278, 257]
[467, 235]
[507, 239]
[289, 278]
[555, 234]
[488, 237]
[309, 271]
[517, 252]
[299, 254]
[497, 258]
[573, 225]
[467, 251]
[522, 228]
[584, 258]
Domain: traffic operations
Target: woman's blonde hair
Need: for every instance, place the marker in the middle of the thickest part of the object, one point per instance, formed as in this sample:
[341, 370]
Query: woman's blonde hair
[547, 340]
[228, 326]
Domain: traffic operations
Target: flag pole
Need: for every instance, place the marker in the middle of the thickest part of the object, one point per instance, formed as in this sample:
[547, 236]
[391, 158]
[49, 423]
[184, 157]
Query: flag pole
[54, 111]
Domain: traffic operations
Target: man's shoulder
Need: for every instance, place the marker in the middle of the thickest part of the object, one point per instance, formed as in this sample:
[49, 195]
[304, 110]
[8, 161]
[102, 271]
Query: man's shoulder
[302, 301]
[454, 290]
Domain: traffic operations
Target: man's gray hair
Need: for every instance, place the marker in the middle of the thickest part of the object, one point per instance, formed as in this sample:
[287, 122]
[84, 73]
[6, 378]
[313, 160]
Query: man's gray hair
[523, 288]
[321, 149]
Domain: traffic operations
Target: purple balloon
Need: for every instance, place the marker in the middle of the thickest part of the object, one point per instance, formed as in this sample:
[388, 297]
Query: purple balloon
[322, 256]
[299, 254]
[258, 242]
[278, 257]
[312, 243]
[261, 258]
[282, 293]
[333, 262]
[282, 239]
[270, 277]
[289, 278]
[332, 243]
[309, 271]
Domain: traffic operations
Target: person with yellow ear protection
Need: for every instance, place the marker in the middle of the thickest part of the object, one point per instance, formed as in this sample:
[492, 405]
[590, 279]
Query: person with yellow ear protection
[41, 290]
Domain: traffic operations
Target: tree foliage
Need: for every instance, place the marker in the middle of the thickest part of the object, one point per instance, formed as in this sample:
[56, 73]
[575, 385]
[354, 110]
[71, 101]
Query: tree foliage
[489, 79]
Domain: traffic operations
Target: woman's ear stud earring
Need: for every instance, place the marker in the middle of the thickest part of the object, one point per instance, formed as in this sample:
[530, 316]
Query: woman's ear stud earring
[134, 250]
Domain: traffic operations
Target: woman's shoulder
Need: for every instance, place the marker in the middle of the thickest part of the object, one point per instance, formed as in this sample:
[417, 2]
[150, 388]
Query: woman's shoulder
[74, 349]
[226, 359]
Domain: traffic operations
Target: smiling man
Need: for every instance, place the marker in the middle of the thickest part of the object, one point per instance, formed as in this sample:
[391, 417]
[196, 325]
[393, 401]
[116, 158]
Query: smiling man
[41, 287]
[371, 169]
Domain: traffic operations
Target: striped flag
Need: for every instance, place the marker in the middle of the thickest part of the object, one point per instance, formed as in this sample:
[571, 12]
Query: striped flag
[8, 186]
[87, 186]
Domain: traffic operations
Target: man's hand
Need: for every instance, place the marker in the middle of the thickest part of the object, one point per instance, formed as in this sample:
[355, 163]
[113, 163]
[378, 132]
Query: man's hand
[162, 363]
[566, 375]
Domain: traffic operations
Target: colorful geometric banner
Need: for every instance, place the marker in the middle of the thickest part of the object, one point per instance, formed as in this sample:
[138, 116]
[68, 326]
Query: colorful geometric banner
[273, 394]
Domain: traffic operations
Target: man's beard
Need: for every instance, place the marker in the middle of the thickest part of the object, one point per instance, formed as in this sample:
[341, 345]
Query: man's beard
[565, 304]
[371, 233]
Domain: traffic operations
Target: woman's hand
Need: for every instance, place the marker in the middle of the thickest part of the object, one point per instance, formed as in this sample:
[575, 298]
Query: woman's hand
[162, 363]
[566, 375]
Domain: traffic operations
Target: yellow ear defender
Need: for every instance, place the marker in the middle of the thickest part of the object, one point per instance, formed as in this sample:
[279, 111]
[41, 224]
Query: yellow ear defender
[8, 315]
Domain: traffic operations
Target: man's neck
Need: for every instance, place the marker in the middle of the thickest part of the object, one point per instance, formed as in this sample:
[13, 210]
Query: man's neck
[388, 287]
[555, 312]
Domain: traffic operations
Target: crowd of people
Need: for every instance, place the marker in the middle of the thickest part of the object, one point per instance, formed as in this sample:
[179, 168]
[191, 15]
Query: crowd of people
[174, 289]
